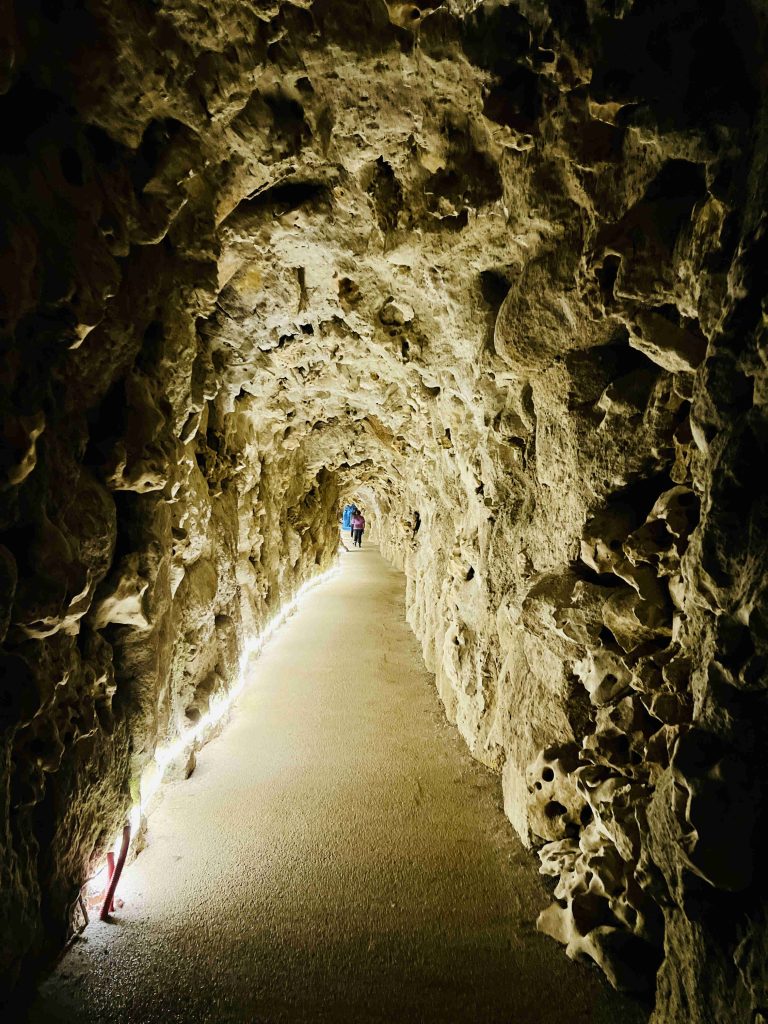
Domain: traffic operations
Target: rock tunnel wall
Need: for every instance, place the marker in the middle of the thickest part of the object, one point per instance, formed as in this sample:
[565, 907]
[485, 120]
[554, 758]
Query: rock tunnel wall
[497, 271]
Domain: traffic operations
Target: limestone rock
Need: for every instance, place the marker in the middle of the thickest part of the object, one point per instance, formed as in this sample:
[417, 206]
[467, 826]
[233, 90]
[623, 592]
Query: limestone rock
[494, 270]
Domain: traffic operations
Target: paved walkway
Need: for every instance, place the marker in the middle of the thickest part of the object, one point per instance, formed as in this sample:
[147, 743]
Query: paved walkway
[336, 857]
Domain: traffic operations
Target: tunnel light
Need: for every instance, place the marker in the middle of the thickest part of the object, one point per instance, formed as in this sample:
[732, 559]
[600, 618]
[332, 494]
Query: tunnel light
[221, 704]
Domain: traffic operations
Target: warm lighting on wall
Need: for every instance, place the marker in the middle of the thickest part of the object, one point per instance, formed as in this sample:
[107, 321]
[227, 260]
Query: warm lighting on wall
[194, 737]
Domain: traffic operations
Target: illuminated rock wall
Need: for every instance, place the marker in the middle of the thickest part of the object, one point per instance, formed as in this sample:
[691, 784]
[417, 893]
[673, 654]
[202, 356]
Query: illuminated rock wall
[496, 270]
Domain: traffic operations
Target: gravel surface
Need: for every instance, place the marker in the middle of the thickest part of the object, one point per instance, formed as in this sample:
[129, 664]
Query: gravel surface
[337, 856]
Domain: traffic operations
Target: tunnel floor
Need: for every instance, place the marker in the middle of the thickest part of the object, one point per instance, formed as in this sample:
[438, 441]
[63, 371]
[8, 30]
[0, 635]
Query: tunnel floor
[336, 856]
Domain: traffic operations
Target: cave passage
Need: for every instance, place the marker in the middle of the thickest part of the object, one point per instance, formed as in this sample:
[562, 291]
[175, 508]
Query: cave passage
[337, 855]
[497, 270]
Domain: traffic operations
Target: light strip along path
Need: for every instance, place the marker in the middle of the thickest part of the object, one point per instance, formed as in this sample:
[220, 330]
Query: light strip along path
[337, 856]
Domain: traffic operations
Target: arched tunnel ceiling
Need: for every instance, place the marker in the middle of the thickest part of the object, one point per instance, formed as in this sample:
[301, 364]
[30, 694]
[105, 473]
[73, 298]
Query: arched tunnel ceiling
[495, 270]
[344, 298]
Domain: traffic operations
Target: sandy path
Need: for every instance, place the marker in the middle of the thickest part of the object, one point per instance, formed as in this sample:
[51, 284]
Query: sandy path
[336, 856]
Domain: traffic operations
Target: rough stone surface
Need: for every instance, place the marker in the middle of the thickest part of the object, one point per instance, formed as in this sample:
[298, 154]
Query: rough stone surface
[339, 871]
[497, 271]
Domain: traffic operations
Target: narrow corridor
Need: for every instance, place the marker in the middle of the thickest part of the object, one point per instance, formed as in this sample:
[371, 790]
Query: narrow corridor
[336, 856]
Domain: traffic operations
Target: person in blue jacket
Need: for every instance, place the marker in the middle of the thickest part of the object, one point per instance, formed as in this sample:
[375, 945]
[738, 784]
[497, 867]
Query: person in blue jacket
[349, 513]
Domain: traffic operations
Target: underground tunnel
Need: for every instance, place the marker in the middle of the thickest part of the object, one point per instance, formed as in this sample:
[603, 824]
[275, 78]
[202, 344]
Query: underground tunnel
[494, 270]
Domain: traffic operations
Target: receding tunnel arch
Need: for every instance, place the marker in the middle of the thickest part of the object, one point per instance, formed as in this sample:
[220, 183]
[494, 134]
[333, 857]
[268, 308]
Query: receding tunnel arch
[495, 269]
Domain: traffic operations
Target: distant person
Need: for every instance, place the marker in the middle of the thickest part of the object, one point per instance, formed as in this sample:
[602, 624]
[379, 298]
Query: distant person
[346, 519]
[358, 528]
[354, 511]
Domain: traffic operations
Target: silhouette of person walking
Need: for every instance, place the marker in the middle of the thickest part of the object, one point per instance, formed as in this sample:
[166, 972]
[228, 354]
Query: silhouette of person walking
[358, 528]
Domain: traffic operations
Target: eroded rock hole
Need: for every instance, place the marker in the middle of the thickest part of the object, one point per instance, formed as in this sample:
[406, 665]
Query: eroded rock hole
[553, 809]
